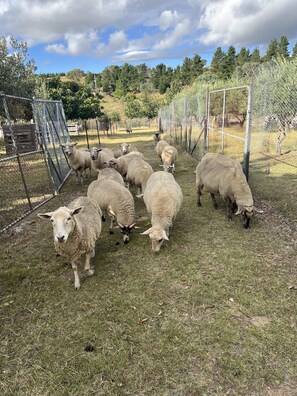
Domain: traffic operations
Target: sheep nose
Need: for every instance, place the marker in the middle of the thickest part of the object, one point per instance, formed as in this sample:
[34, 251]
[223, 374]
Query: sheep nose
[60, 238]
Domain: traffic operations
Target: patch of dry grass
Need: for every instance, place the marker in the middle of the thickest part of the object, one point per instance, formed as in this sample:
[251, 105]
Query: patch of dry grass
[213, 313]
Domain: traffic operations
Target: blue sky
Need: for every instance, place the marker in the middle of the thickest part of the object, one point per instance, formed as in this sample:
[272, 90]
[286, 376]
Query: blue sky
[63, 35]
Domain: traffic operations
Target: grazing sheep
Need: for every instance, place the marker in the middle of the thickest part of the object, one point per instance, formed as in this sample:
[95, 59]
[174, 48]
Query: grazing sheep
[116, 201]
[76, 229]
[100, 157]
[168, 157]
[163, 198]
[138, 173]
[160, 147]
[223, 175]
[79, 160]
[169, 139]
[121, 163]
[111, 174]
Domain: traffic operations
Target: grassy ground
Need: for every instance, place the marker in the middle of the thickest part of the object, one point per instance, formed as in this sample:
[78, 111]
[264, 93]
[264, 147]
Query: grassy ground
[214, 313]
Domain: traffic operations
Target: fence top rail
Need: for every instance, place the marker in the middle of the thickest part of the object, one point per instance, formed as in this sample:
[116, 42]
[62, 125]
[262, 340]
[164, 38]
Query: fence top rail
[14, 97]
[230, 89]
[47, 101]
[20, 155]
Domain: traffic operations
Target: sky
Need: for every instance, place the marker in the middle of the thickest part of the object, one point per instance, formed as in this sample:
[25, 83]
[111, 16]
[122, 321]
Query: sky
[63, 35]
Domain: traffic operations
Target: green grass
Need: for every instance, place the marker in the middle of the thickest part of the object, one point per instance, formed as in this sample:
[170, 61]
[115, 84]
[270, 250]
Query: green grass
[214, 313]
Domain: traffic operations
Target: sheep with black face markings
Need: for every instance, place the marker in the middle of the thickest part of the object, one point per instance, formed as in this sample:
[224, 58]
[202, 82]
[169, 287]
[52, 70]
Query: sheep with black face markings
[163, 198]
[116, 201]
[76, 228]
[223, 175]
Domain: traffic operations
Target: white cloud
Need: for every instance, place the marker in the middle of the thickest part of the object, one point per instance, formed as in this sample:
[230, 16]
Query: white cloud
[167, 19]
[118, 41]
[176, 36]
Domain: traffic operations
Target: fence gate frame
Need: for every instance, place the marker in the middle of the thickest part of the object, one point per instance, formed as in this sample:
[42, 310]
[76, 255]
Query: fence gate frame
[248, 127]
[50, 131]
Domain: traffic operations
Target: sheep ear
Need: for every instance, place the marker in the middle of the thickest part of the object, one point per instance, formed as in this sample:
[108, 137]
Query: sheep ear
[133, 226]
[165, 237]
[76, 210]
[239, 210]
[111, 212]
[162, 166]
[63, 145]
[74, 144]
[45, 215]
[147, 232]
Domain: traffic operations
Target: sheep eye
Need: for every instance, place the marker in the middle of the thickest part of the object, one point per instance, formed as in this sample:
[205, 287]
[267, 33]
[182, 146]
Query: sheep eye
[52, 220]
[69, 218]
[160, 240]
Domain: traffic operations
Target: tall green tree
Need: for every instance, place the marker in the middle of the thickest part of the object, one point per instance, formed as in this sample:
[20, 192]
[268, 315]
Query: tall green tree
[17, 71]
[243, 56]
[255, 56]
[283, 47]
[294, 53]
[216, 63]
[272, 50]
[228, 63]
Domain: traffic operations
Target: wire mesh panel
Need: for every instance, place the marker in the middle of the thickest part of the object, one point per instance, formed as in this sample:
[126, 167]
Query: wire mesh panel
[32, 163]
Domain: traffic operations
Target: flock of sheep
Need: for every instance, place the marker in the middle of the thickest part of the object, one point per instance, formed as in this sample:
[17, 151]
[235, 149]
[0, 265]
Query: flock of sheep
[77, 227]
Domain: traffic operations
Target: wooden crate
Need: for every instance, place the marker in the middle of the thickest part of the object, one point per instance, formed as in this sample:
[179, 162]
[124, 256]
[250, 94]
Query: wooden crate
[25, 136]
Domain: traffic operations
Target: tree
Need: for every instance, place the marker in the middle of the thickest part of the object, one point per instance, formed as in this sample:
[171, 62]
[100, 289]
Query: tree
[75, 75]
[283, 47]
[228, 63]
[197, 66]
[243, 56]
[17, 73]
[216, 63]
[133, 108]
[272, 50]
[294, 53]
[255, 56]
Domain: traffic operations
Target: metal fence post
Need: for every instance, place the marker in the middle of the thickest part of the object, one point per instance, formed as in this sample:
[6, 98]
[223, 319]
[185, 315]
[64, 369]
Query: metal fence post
[206, 121]
[247, 142]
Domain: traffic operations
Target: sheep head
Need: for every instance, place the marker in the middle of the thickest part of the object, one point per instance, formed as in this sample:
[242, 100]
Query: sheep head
[157, 236]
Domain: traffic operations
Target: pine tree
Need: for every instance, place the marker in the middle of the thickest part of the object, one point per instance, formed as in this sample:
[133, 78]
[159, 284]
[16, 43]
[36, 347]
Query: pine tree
[228, 63]
[243, 56]
[294, 53]
[217, 59]
[255, 56]
[283, 47]
[197, 66]
[272, 50]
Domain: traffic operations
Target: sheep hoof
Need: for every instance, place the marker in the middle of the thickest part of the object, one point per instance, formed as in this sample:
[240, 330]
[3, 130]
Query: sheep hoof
[139, 195]
[77, 286]
[91, 272]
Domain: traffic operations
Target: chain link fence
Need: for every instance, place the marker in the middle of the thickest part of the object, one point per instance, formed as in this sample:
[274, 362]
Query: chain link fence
[257, 124]
[33, 166]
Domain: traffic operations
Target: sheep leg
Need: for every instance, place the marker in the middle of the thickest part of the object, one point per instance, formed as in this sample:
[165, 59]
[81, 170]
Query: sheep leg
[76, 173]
[76, 277]
[111, 225]
[215, 205]
[87, 263]
[199, 193]
[229, 208]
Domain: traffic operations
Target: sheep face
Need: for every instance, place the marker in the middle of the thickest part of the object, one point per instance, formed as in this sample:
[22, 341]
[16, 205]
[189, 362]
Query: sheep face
[126, 231]
[94, 153]
[246, 213]
[113, 163]
[157, 236]
[68, 148]
[168, 168]
[125, 148]
[63, 222]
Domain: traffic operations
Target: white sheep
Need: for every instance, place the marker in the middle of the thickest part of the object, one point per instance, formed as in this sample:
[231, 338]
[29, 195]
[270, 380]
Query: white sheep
[138, 173]
[76, 229]
[223, 175]
[163, 198]
[116, 201]
[111, 174]
[100, 157]
[79, 160]
[121, 163]
[169, 139]
[168, 157]
[160, 147]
